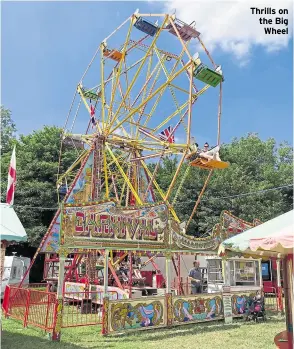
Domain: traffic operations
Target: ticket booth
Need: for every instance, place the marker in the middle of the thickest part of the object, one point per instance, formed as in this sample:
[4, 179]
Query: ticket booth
[240, 274]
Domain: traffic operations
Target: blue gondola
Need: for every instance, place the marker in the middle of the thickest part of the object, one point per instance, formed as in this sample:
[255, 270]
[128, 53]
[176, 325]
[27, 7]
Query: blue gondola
[62, 189]
[146, 27]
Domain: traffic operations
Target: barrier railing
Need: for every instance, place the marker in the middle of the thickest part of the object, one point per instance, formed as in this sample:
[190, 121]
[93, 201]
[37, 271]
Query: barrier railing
[271, 300]
[38, 308]
[82, 308]
[38, 286]
[30, 306]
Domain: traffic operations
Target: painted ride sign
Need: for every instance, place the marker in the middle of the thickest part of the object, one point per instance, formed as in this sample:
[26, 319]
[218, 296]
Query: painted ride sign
[105, 225]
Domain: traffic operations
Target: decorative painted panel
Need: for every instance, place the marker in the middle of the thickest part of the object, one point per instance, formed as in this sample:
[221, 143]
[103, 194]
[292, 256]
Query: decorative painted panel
[134, 314]
[240, 302]
[197, 308]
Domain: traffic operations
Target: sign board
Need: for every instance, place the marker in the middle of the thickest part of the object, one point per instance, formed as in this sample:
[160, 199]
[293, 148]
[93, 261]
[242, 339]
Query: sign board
[228, 314]
[104, 225]
[227, 303]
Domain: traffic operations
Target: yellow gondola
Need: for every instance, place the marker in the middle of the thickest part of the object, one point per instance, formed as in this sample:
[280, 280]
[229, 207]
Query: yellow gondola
[209, 164]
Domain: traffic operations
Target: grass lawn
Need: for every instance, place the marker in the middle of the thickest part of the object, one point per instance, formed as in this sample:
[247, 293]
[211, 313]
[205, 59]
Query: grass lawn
[212, 335]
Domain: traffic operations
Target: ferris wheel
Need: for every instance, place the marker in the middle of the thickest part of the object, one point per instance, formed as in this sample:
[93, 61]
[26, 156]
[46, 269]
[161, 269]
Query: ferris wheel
[140, 111]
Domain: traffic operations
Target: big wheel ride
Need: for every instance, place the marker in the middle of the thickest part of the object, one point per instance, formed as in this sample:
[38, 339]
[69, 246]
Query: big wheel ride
[137, 99]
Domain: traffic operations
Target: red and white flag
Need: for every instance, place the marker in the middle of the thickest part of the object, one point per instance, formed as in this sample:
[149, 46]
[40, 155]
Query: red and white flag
[11, 179]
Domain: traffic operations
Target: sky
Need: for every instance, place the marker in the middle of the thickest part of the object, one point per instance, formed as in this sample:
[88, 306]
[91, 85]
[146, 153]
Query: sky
[46, 47]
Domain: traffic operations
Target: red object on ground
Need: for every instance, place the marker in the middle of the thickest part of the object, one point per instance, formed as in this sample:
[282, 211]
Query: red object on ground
[148, 277]
[283, 340]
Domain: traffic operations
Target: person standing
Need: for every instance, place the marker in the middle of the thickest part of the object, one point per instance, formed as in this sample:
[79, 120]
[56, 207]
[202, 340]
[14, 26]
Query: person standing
[195, 277]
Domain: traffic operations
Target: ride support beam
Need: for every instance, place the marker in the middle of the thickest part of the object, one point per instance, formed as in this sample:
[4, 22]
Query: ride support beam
[134, 111]
[112, 270]
[199, 198]
[124, 176]
[279, 286]
[130, 274]
[139, 70]
[173, 212]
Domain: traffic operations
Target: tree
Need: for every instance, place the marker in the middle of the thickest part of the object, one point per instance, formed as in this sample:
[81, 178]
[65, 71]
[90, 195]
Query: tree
[255, 167]
[8, 129]
[37, 157]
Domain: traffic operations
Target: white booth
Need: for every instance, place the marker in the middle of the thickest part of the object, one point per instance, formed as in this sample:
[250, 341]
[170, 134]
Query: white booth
[241, 274]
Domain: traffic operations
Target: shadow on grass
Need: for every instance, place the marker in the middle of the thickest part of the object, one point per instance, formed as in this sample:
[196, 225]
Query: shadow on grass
[14, 340]
[15, 336]
[187, 329]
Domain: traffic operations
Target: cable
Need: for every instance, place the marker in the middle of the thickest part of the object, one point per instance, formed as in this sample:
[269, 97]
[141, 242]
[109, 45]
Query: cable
[252, 193]
[182, 203]
[236, 196]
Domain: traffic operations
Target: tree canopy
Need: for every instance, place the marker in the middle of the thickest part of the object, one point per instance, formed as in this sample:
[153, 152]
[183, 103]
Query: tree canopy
[8, 129]
[255, 167]
[37, 157]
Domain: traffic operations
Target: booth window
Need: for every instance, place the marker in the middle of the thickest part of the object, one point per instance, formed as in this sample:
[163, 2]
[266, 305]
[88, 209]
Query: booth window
[244, 273]
[214, 271]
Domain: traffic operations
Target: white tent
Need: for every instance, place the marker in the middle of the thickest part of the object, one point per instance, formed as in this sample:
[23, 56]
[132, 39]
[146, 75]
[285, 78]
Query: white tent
[11, 228]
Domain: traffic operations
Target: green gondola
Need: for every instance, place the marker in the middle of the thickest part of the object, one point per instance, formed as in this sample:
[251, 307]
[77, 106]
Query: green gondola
[208, 76]
[90, 95]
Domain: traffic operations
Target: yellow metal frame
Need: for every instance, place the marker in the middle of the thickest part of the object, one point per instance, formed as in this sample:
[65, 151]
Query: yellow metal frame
[120, 120]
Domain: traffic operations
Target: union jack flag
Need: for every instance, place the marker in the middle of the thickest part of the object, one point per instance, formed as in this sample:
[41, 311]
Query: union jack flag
[166, 135]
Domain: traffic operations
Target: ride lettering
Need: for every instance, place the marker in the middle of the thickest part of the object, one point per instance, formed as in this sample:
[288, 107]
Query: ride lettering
[113, 227]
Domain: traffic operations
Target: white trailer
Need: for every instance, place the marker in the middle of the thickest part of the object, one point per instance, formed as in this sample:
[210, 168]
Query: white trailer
[14, 270]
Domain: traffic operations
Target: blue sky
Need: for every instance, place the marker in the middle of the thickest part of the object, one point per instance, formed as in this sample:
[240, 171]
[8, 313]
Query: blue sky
[46, 47]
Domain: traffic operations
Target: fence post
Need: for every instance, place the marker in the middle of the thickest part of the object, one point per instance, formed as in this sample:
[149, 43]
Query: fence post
[57, 316]
[6, 300]
[48, 308]
[169, 309]
[26, 315]
[105, 312]
[59, 303]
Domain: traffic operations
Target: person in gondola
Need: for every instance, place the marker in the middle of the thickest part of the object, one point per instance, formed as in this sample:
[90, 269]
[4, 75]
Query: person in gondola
[193, 152]
[212, 154]
[205, 153]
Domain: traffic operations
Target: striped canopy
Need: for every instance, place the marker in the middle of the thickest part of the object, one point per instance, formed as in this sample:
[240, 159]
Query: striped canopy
[275, 236]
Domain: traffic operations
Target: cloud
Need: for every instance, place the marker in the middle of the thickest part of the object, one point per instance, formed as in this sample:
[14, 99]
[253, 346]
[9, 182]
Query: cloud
[231, 26]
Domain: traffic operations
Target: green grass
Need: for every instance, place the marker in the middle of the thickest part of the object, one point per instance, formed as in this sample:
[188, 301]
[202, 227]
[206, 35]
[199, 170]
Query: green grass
[71, 315]
[212, 335]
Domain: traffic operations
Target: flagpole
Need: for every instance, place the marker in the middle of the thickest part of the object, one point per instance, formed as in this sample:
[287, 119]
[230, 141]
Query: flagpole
[11, 178]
